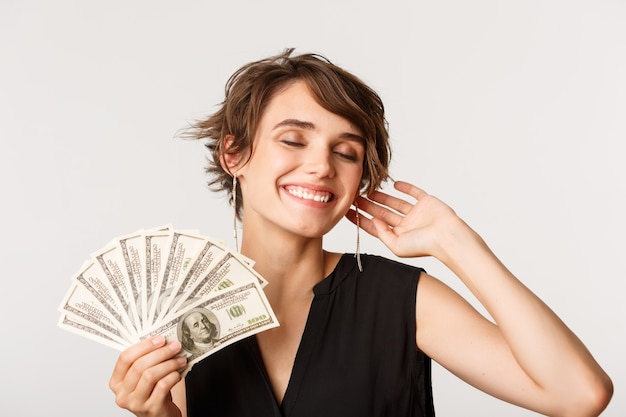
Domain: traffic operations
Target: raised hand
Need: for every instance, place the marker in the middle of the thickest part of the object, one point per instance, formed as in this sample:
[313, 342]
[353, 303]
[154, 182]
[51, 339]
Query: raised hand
[409, 229]
[144, 376]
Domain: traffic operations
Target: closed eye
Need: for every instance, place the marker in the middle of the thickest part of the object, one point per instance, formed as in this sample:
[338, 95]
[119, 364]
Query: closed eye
[292, 143]
[346, 156]
[348, 151]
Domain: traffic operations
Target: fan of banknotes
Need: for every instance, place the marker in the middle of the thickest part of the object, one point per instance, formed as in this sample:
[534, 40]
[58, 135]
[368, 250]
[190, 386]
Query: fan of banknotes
[179, 284]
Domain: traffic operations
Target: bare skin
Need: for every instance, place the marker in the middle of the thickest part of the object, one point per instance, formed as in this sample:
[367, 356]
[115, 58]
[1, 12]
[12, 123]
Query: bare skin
[144, 378]
[526, 356]
[533, 359]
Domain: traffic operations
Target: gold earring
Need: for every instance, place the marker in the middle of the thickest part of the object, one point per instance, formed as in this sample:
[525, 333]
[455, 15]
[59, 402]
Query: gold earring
[234, 193]
[357, 253]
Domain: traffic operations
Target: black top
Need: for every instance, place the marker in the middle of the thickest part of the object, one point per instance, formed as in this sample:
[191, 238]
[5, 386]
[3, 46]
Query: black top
[357, 356]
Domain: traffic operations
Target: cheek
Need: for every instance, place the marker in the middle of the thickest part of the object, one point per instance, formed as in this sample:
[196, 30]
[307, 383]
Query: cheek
[355, 179]
[273, 162]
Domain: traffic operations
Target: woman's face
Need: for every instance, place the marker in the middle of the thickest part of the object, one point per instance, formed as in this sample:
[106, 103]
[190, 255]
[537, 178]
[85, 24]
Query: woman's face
[305, 169]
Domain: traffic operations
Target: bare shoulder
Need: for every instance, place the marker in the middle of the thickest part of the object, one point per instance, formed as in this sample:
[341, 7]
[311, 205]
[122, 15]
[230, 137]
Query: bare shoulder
[454, 334]
[441, 314]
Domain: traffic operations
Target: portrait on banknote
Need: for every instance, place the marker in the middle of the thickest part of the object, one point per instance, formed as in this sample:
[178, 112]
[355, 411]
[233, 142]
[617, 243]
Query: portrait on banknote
[198, 330]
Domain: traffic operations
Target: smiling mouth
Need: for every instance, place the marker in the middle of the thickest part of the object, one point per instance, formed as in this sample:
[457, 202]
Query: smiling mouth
[307, 194]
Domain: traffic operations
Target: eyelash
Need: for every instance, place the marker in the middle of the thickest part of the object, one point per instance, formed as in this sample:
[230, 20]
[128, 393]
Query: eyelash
[292, 143]
[348, 157]
[295, 144]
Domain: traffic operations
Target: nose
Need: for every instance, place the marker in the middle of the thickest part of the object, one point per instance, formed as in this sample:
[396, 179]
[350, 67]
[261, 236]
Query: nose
[320, 163]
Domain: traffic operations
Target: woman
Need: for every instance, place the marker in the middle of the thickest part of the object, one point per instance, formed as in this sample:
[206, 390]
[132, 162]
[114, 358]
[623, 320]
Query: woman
[296, 143]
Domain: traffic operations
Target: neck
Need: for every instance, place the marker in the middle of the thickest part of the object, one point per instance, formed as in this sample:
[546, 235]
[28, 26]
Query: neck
[292, 265]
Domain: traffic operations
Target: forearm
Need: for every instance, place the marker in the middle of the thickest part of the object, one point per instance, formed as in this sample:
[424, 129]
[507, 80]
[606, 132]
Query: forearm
[548, 352]
[179, 397]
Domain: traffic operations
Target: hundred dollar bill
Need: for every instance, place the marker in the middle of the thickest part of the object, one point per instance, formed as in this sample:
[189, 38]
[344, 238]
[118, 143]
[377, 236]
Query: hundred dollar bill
[207, 257]
[149, 278]
[132, 250]
[86, 310]
[91, 298]
[112, 264]
[230, 270]
[157, 245]
[87, 330]
[213, 323]
[183, 249]
[144, 250]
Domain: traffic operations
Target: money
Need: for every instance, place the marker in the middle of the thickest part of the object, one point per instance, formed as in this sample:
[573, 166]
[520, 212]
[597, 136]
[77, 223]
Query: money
[210, 324]
[178, 284]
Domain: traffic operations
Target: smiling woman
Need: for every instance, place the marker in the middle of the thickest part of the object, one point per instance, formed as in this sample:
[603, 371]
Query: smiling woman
[292, 163]
[304, 140]
[232, 128]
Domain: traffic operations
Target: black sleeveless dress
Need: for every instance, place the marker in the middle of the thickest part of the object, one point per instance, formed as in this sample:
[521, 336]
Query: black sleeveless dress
[357, 356]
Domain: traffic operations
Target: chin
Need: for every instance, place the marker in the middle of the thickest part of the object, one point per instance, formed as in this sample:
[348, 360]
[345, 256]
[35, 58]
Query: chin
[314, 233]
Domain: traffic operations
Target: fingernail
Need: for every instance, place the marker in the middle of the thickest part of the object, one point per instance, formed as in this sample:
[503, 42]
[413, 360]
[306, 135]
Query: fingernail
[158, 340]
[175, 346]
[182, 360]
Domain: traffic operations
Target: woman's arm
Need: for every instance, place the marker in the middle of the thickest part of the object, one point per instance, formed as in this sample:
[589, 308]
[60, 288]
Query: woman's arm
[179, 397]
[528, 357]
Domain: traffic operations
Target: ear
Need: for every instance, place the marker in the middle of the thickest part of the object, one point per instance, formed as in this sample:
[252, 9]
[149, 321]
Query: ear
[229, 161]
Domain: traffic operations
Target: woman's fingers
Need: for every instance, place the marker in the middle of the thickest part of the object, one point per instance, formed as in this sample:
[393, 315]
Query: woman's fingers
[149, 361]
[386, 200]
[128, 357]
[145, 373]
[155, 383]
[410, 189]
[379, 210]
[397, 204]
[408, 229]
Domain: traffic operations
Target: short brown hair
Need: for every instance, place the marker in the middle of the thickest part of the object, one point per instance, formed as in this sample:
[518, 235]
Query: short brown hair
[249, 90]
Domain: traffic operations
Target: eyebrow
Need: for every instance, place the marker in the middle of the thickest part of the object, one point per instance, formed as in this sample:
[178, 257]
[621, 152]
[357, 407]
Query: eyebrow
[310, 126]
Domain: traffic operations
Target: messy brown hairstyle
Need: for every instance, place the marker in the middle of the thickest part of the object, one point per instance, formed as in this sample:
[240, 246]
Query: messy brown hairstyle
[250, 89]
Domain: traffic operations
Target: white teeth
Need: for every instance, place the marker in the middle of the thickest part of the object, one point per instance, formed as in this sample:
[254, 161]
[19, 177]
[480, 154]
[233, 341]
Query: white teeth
[307, 195]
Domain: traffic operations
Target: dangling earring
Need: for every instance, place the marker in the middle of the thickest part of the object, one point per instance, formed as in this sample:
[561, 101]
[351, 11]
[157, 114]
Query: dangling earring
[234, 193]
[357, 253]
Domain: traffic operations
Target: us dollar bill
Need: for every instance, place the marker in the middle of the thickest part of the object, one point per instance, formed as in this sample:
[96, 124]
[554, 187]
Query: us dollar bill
[230, 270]
[211, 324]
[210, 254]
[161, 280]
[183, 248]
[112, 264]
[84, 328]
[132, 250]
[91, 298]
[156, 245]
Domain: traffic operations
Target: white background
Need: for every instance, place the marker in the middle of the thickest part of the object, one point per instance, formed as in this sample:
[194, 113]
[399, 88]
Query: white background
[513, 112]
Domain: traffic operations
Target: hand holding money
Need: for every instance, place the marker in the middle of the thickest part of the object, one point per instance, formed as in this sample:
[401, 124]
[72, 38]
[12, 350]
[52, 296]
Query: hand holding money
[163, 282]
[146, 376]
